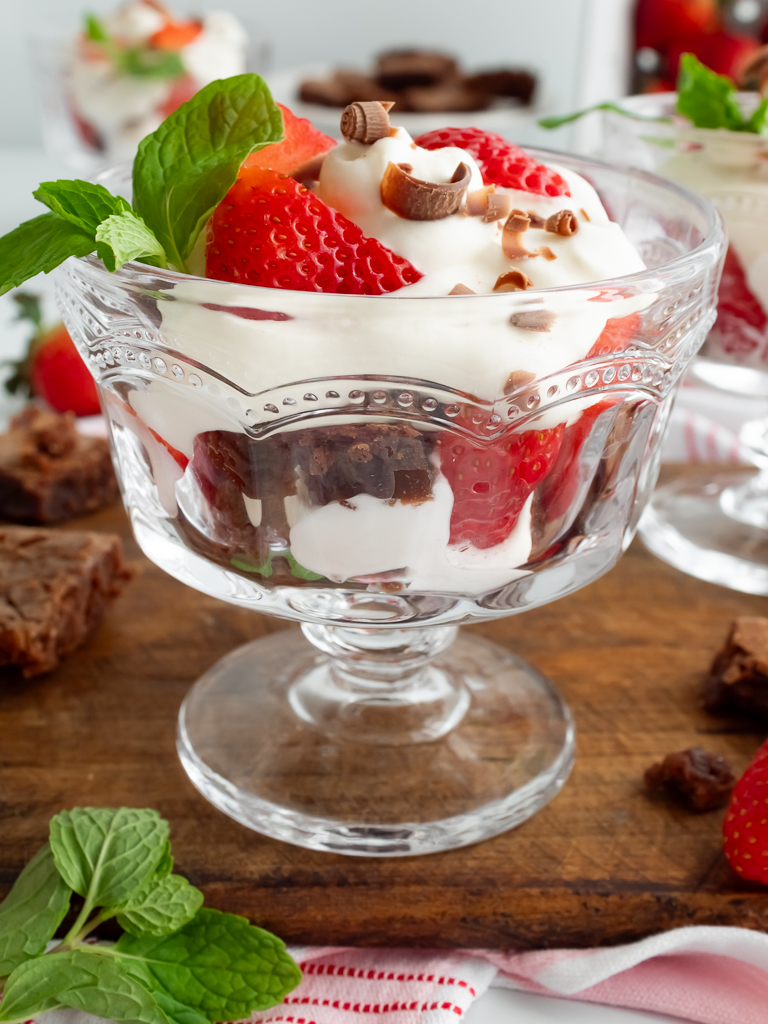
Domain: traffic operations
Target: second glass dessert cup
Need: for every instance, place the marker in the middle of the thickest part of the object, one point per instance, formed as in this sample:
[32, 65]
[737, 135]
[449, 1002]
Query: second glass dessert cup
[383, 469]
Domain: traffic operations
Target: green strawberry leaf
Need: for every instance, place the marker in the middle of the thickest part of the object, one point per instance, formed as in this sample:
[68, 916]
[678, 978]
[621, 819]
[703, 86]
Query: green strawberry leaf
[707, 99]
[218, 964]
[32, 911]
[83, 203]
[124, 237]
[83, 980]
[38, 246]
[184, 169]
[105, 854]
[161, 906]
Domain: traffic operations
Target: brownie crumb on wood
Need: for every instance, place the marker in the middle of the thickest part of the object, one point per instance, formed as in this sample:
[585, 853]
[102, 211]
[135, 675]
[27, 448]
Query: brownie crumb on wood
[697, 778]
[738, 678]
[54, 587]
[49, 472]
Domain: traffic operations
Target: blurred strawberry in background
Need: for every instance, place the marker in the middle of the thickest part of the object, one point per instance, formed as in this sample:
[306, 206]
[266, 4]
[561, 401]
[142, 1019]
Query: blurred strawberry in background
[723, 34]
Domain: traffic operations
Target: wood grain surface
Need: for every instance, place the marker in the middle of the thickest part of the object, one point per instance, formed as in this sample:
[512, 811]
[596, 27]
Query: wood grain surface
[602, 864]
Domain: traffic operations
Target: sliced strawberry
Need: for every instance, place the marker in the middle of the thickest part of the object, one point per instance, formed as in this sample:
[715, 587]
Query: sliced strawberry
[182, 89]
[741, 320]
[176, 35]
[302, 141]
[491, 484]
[501, 162]
[271, 231]
[617, 335]
[59, 375]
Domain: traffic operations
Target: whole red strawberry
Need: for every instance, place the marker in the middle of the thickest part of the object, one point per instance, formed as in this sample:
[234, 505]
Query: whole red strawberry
[52, 368]
[271, 231]
[491, 484]
[745, 828]
[501, 162]
[741, 320]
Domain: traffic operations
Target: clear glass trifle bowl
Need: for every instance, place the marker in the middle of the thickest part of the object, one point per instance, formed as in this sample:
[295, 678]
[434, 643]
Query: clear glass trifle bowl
[382, 469]
[714, 525]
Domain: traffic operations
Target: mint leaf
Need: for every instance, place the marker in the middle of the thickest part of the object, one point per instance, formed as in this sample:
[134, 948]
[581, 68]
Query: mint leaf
[176, 1012]
[265, 569]
[123, 237]
[83, 980]
[38, 246]
[32, 911]
[183, 170]
[94, 29]
[556, 122]
[299, 570]
[165, 867]
[142, 62]
[29, 309]
[758, 122]
[104, 854]
[161, 906]
[707, 99]
[83, 203]
[218, 964]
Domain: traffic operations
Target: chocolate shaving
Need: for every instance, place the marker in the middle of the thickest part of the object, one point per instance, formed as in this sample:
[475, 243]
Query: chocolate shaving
[537, 221]
[515, 226]
[533, 320]
[477, 200]
[562, 223]
[584, 213]
[414, 199]
[518, 379]
[310, 169]
[461, 289]
[498, 207]
[366, 122]
[512, 281]
[547, 253]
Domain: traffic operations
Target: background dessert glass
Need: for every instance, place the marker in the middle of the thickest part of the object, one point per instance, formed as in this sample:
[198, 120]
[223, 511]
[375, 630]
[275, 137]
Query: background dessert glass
[386, 735]
[715, 526]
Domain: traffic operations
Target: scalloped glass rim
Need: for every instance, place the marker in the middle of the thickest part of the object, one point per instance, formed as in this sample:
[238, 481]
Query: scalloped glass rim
[708, 247]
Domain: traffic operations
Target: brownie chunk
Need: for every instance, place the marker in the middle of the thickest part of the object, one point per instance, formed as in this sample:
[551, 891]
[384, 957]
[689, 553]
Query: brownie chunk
[389, 461]
[504, 82]
[401, 69]
[49, 472]
[739, 676]
[699, 779]
[54, 587]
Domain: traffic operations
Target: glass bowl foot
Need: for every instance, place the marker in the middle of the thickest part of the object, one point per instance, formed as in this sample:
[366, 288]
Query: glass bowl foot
[712, 527]
[268, 736]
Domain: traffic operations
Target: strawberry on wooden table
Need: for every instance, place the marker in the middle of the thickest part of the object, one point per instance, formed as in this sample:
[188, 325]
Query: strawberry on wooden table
[745, 829]
[271, 231]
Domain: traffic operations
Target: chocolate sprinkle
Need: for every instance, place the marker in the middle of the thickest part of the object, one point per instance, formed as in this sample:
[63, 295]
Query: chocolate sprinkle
[414, 199]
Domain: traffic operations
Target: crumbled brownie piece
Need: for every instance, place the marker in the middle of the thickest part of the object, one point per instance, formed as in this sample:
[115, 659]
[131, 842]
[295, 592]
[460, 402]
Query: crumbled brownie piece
[49, 472]
[389, 461]
[701, 780]
[504, 82]
[401, 69]
[54, 586]
[739, 675]
[429, 99]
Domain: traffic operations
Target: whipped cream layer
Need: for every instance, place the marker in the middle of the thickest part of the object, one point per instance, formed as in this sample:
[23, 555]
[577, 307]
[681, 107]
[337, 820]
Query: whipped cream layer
[462, 249]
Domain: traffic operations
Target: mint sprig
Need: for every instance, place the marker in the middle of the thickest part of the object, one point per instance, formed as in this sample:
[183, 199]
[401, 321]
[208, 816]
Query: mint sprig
[175, 964]
[181, 173]
[705, 98]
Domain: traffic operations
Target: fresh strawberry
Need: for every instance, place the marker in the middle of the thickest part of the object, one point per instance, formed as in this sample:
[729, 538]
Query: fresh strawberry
[658, 23]
[617, 335]
[175, 35]
[745, 828]
[52, 368]
[724, 53]
[741, 320]
[501, 162]
[302, 141]
[182, 89]
[491, 483]
[271, 231]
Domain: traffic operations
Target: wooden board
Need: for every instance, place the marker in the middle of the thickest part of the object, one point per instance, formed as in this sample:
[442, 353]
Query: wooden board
[601, 864]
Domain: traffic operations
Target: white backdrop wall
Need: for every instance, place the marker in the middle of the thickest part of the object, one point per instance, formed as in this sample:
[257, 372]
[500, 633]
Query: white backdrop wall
[579, 47]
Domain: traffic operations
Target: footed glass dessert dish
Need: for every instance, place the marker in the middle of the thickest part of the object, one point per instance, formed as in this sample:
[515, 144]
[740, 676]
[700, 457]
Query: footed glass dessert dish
[383, 469]
[715, 526]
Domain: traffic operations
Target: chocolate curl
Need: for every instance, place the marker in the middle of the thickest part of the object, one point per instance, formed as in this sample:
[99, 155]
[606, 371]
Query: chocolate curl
[477, 201]
[414, 199]
[584, 213]
[515, 226]
[547, 253]
[497, 208]
[518, 379]
[461, 289]
[537, 221]
[366, 122]
[562, 223]
[513, 281]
